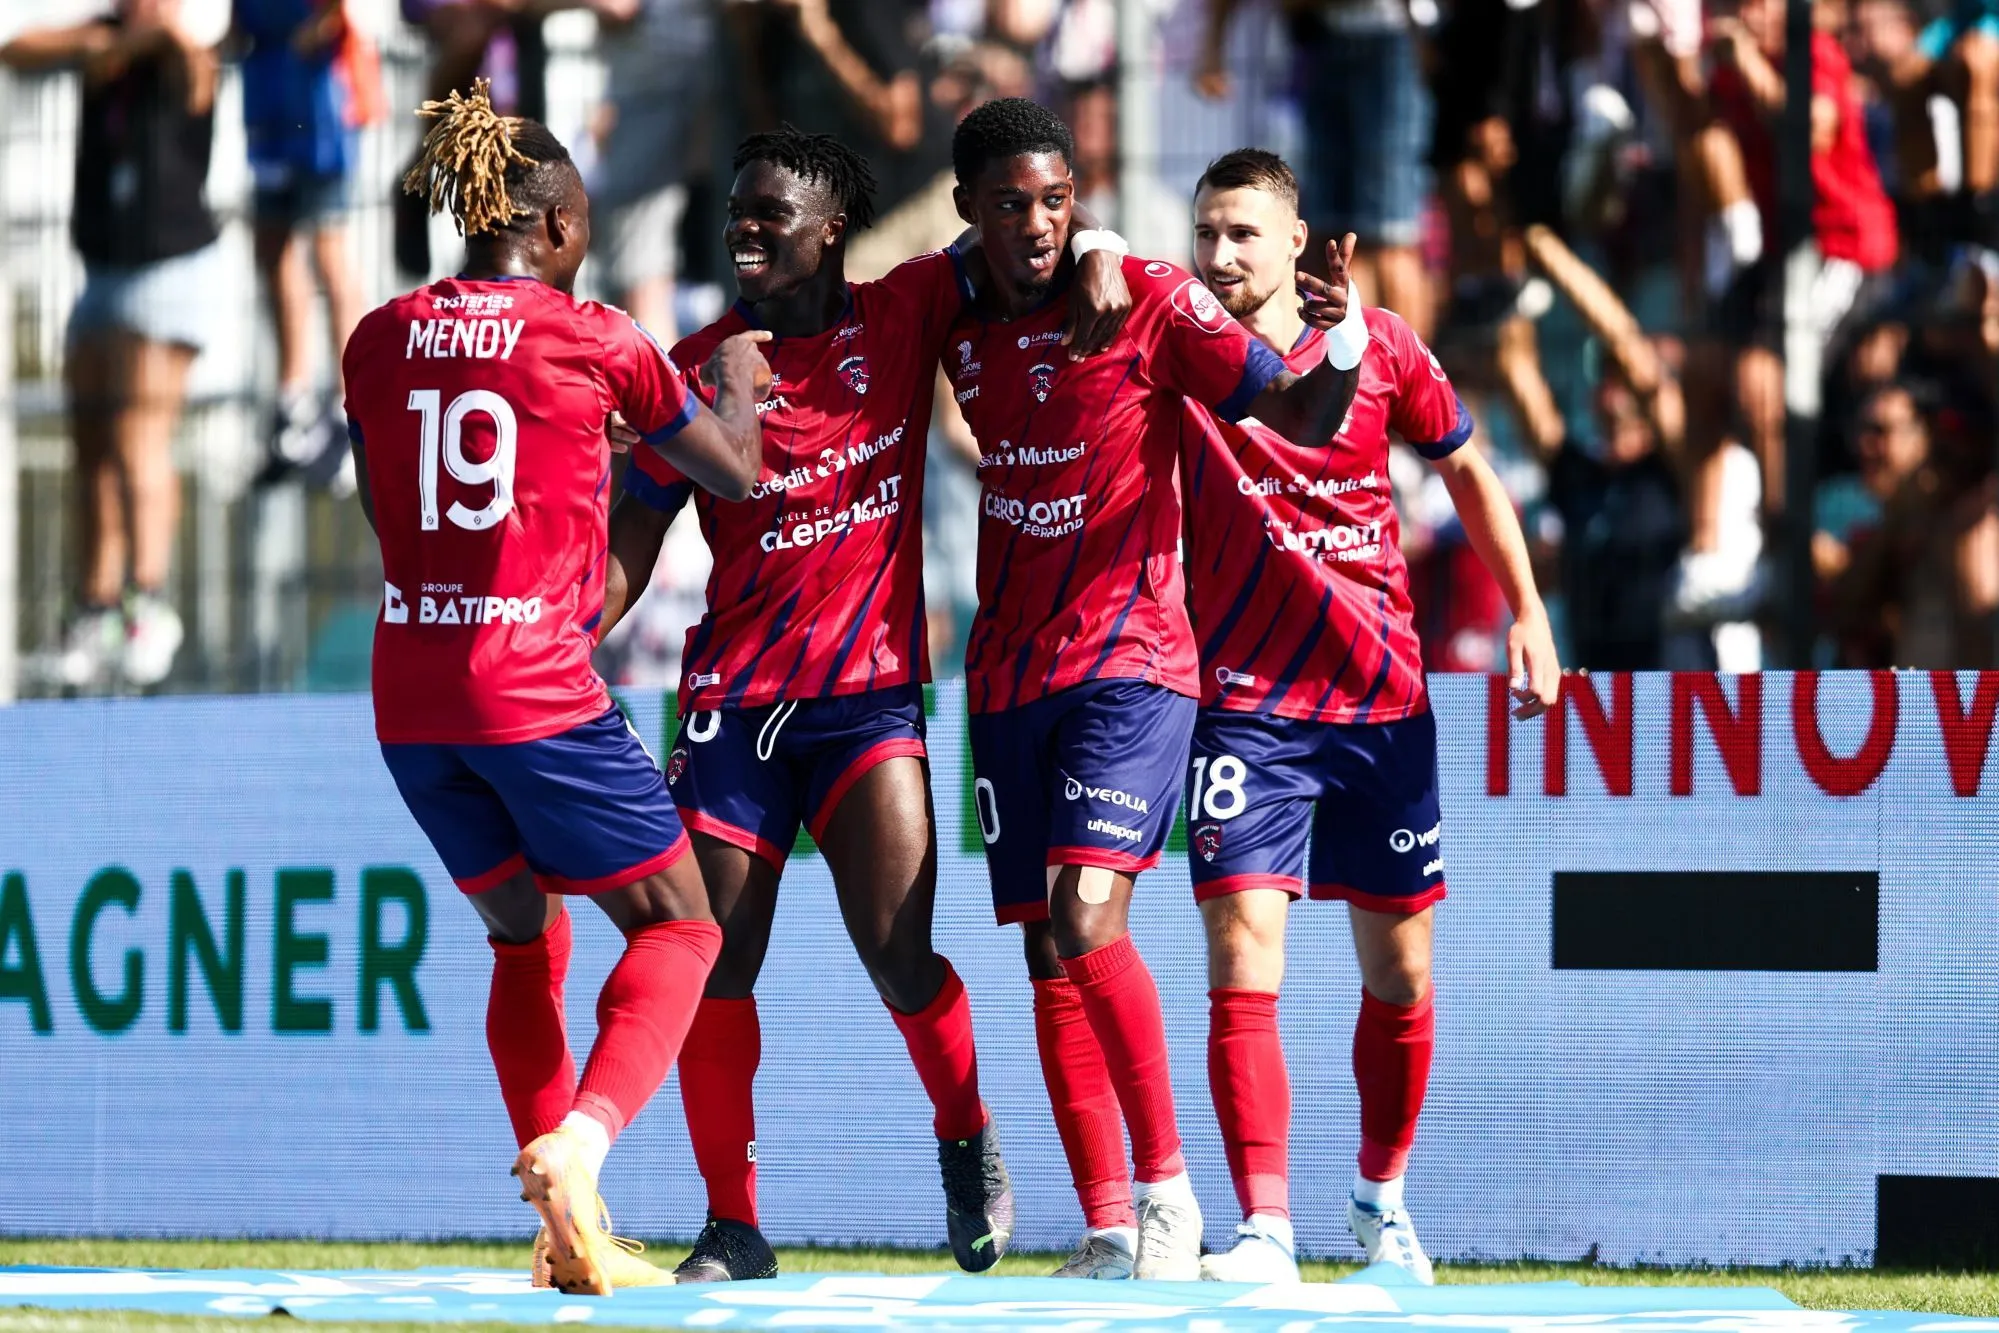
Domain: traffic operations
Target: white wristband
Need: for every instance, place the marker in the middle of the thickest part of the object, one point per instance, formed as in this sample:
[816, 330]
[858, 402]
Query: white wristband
[1346, 341]
[1082, 242]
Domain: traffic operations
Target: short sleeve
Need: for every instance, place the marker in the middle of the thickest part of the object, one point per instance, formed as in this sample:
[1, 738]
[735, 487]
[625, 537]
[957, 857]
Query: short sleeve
[656, 483]
[926, 294]
[1426, 411]
[1195, 346]
[649, 390]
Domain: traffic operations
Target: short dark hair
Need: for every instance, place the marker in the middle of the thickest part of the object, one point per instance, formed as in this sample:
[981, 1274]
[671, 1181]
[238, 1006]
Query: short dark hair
[1251, 169]
[1004, 128]
[821, 159]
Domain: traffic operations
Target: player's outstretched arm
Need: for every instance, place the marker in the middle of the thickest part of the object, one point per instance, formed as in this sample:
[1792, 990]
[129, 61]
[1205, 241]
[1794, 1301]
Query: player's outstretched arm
[721, 450]
[1309, 408]
[1486, 510]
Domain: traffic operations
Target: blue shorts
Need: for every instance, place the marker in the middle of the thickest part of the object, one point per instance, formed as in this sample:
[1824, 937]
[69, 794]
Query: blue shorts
[1366, 792]
[586, 811]
[1089, 776]
[750, 776]
[1367, 128]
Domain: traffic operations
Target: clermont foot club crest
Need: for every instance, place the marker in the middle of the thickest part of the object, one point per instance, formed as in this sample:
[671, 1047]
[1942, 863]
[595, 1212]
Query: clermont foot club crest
[1041, 380]
[854, 370]
[1208, 841]
[676, 764]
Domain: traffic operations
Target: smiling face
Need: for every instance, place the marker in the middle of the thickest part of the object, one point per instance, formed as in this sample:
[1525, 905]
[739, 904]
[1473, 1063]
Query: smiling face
[1246, 246]
[1021, 206]
[781, 228]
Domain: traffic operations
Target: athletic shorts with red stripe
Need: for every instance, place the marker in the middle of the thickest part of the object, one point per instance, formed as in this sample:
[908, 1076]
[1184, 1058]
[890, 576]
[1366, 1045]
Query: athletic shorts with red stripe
[750, 776]
[1088, 776]
[1364, 792]
[586, 811]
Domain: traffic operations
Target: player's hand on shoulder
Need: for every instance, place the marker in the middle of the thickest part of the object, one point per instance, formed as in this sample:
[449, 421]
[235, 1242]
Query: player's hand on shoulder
[738, 363]
[1099, 305]
[1534, 672]
[1324, 300]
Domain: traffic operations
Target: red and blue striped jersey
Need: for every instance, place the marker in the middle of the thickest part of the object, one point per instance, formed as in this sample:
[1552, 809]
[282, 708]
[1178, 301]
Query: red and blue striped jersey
[817, 587]
[1079, 526]
[481, 406]
[1301, 597]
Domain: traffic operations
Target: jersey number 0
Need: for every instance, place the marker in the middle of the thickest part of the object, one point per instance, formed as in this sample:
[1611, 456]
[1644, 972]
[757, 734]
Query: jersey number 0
[446, 440]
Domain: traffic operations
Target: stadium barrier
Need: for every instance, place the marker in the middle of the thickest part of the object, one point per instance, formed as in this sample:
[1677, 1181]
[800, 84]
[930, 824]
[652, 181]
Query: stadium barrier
[1714, 981]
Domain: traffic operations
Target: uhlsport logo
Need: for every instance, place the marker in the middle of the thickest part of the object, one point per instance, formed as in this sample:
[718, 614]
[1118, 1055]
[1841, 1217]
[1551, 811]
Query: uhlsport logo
[854, 370]
[1041, 380]
[676, 765]
[1208, 841]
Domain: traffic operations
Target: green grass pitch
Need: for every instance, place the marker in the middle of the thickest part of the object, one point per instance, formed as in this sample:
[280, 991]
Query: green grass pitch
[1829, 1289]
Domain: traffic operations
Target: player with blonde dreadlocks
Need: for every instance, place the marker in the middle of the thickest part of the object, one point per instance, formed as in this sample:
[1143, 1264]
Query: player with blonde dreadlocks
[478, 409]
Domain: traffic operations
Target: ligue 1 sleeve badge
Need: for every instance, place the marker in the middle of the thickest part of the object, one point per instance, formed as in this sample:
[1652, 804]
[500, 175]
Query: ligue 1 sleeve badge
[1208, 841]
[854, 370]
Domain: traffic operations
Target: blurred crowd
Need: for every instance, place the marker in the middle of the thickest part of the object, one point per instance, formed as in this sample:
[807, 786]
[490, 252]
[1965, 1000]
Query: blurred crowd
[1582, 204]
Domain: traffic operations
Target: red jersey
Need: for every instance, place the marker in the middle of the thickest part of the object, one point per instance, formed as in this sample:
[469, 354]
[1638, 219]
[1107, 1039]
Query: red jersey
[1301, 597]
[1852, 216]
[482, 405]
[1079, 526]
[817, 586]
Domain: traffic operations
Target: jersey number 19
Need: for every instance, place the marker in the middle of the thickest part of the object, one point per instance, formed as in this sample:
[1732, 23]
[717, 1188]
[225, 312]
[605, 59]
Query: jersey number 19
[448, 442]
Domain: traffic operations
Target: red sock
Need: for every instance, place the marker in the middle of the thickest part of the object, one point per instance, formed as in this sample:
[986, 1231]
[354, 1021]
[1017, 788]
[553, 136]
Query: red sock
[525, 1033]
[642, 1017]
[1392, 1045]
[939, 1037]
[1252, 1095]
[1123, 1008]
[718, 1071]
[1086, 1109]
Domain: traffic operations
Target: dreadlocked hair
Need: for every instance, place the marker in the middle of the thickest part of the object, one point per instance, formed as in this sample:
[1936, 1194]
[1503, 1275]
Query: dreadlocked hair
[821, 159]
[487, 170]
[1003, 128]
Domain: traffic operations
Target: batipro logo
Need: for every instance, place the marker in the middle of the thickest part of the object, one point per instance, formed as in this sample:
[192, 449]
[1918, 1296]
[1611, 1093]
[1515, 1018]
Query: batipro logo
[1077, 791]
[1403, 840]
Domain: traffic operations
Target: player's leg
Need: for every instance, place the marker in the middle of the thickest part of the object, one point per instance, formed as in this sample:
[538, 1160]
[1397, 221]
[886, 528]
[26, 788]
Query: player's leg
[1118, 751]
[1011, 799]
[1377, 845]
[468, 824]
[743, 813]
[1249, 803]
[595, 820]
[873, 822]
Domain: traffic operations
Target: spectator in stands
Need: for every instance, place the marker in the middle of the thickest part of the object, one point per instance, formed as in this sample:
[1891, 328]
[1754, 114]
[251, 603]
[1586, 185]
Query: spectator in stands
[1928, 583]
[853, 69]
[1955, 57]
[1367, 124]
[1075, 46]
[1738, 366]
[150, 258]
[660, 64]
[1891, 443]
[310, 82]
